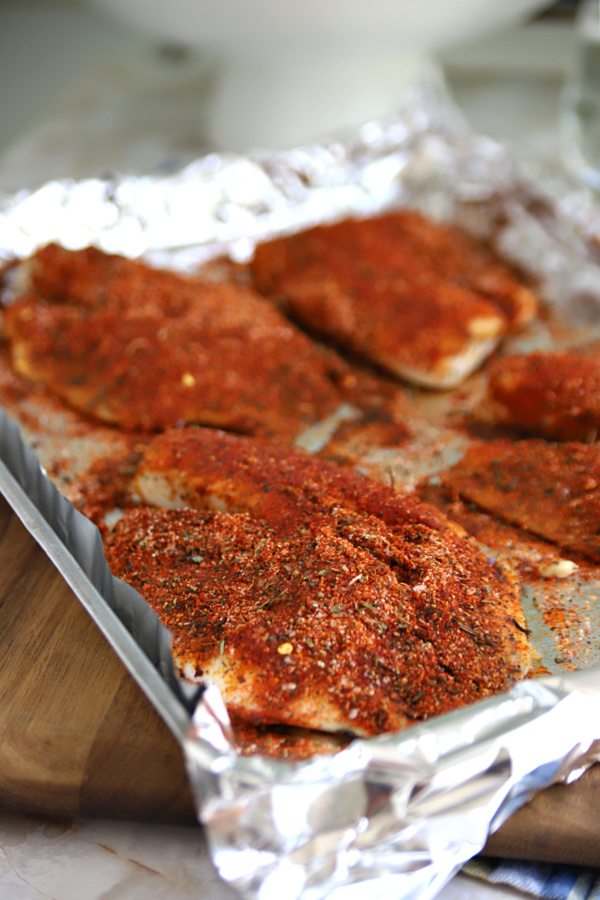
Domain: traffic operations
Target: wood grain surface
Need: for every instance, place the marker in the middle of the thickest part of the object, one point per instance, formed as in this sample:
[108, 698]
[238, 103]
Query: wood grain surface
[77, 735]
[79, 738]
[560, 824]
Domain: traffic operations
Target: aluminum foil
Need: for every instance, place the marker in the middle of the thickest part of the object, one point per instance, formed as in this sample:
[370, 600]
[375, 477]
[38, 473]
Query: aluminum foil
[391, 817]
[396, 815]
[424, 155]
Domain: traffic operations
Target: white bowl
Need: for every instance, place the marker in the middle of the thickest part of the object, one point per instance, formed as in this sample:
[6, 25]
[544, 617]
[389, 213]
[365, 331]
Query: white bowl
[292, 71]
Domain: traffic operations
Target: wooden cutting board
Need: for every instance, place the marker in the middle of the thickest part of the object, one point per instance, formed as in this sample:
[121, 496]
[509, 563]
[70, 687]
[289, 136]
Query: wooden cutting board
[77, 735]
[79, 738]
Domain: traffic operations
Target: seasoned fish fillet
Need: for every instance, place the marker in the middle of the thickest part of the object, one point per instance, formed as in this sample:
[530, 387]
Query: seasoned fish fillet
[210, 469]
[284, 741]
[343, 626]
[407, 305]
[293, 494]
[549, 489]
[145, 349]
[554, 395]
[465, 261]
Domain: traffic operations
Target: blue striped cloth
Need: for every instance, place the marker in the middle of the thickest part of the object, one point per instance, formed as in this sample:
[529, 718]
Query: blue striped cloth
[550, 881]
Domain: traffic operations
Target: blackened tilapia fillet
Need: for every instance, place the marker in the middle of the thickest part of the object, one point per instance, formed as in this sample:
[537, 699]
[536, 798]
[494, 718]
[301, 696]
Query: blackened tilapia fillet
[145, 349]
[343, 626]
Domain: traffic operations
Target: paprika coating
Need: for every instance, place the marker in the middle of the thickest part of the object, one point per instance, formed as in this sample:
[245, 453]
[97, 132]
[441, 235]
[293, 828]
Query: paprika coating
[555, 395]
[145, 349]
[549, 489]
[206, 468]
[426, 304]
[340, 626]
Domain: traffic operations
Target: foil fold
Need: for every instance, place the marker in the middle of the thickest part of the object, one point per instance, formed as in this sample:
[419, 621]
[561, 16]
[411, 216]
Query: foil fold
[423, 155]
[396, 815]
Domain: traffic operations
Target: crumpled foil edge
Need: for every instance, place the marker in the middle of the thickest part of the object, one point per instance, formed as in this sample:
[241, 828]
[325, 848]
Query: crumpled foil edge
[396, 816]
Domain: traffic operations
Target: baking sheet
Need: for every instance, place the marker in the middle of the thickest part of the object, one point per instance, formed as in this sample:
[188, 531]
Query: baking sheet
[74, 545]
[397, 813]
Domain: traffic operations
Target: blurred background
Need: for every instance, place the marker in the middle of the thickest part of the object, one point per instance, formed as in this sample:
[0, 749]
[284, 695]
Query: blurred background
[97, 86]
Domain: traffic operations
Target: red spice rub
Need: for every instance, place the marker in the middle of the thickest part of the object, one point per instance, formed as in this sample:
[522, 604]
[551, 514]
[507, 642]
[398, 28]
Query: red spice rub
[343, 626]
[465, 261]
[286, 487]
[146, 349]
[555, 395]
[396, 289]
[285, 742]
[552, 490]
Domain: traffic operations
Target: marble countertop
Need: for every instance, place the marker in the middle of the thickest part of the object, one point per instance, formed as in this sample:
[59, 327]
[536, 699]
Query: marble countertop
[52, 859]
[62, 123]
